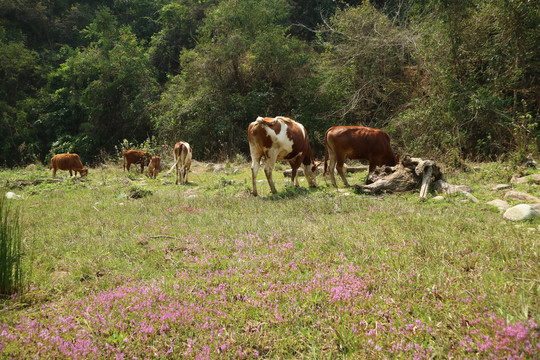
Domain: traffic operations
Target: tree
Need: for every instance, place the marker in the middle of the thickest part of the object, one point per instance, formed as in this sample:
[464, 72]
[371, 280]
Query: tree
[364, 65]
[18, 70]
[479, 65]
[103, 92]
[179, 24]
[243, 66]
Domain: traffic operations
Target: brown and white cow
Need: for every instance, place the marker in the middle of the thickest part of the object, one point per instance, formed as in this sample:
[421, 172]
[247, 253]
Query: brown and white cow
[70, 162]
[154, 167]
[183, 154]
[280, 139]
[356, 143]
[136, 157]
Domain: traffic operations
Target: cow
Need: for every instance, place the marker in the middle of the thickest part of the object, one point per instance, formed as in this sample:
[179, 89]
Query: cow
[182, 161]
[280, 139]
[136, 157]
[154, 167]
[356, 143]
[70, 162]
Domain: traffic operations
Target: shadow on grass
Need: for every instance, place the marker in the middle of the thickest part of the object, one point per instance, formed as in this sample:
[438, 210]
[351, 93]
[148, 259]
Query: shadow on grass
[188, 184]
[290, 192]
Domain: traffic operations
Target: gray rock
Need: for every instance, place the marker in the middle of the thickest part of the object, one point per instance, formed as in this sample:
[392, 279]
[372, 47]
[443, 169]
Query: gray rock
[469, 196]
[12, 196]
[438, 198]
[520, 212]
[501, 187]
[444, 187]
[499, 204]
[521, 196]
[534, 178]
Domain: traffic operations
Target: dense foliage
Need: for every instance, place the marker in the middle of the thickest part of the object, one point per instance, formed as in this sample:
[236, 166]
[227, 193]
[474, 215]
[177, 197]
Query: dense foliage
[445, 79]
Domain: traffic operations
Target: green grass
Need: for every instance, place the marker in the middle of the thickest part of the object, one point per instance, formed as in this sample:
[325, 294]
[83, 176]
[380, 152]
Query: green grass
[10, 250]
[304, 273]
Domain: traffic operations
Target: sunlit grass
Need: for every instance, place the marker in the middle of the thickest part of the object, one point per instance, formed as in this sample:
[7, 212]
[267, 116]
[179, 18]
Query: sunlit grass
[207, 269]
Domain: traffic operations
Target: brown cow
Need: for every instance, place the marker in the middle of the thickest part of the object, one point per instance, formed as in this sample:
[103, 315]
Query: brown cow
[280, 139]
[154, 167]
[70, 162]
[136, 157]
[182, 161]
[356, 143]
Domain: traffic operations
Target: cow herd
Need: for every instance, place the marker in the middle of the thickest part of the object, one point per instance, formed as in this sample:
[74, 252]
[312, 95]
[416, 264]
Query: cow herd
[275, 139]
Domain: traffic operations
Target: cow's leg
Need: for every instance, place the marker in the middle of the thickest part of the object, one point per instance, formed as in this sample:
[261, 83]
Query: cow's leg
[268, 167]
[142, 167]
[54, 172]
[332, 170]
[341, 172]
[294, 177]
[71, 173]
[372, 166]
[183, 175]
[294, 172]
[255, 165]
[177, 173]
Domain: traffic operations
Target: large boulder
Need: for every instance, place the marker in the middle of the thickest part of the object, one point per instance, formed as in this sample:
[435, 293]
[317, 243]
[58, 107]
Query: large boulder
[520, 212]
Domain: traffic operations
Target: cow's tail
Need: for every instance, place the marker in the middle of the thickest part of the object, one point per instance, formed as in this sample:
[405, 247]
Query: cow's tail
[124, 162]
[51, 164]
[325, 153]
[176, 160]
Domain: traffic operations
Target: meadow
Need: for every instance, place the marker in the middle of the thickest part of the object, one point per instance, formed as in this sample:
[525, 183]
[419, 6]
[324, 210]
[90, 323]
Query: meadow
[121, 266]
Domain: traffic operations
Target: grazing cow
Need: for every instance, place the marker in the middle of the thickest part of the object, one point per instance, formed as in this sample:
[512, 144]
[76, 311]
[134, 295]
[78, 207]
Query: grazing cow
[280, 139]
[136, 157]
[154, 167]
[70, 162]
[357, 143]
[182, 161]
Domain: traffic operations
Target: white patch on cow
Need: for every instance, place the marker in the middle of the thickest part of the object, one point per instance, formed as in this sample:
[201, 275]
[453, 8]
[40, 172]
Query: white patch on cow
[280, 142]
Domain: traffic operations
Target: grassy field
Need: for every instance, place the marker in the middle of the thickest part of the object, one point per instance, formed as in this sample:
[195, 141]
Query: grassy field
[208, 271]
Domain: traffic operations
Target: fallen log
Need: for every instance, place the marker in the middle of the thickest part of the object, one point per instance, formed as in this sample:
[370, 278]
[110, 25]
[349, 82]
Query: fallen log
[411, 173]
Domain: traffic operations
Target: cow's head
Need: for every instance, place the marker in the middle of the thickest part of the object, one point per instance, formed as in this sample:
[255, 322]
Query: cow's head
[311, 171]
[83, 172]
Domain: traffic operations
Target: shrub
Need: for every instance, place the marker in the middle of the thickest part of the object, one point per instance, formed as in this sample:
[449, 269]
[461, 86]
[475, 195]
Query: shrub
[10, 250]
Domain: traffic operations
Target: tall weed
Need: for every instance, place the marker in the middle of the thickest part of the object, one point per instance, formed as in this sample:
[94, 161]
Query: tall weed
[10, 250]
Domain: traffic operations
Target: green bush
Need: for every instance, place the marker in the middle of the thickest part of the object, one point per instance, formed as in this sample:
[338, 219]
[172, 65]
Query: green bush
[10, 250]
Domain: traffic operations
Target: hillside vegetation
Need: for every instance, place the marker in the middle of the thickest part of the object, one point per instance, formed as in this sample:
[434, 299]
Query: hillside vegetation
[447, 79]
[119, 265]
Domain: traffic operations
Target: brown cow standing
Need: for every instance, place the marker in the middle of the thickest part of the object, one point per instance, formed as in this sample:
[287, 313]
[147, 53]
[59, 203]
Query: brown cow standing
[154, 167]
[280, 139]
[136, 157]
[182, 161]
[356, 143]
[70, 162]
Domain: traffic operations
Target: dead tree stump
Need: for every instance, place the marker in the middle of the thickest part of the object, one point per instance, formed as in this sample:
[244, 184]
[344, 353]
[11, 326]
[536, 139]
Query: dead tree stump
[411, 173]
